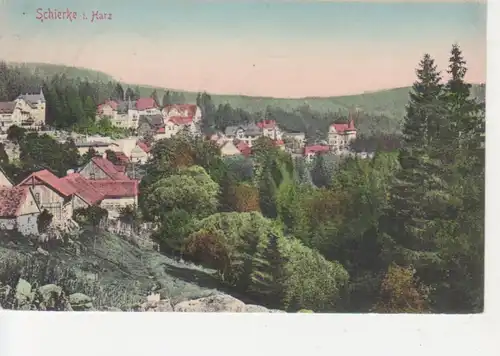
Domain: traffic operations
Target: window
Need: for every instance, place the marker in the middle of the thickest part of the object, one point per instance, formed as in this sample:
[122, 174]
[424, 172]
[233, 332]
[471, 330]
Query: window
[92, 176]
[37, 197]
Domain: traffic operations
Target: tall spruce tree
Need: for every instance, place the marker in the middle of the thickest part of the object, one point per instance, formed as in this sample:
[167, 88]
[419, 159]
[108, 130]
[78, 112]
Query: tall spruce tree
[406, 225]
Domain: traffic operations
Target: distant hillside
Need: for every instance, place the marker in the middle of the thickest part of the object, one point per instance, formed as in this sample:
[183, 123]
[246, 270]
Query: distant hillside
[45, 70]
[389, 102]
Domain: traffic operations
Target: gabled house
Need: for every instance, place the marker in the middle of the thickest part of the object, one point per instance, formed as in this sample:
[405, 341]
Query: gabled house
[246, 133]
[180, 117]
[270, 129]
[99, 168]
[7, 117]
[147, 106]
[244, 148]
[32, 107]
[51, 193]
[5, 181]
[341, 135]
[140, 153]
[18, 210]
[150, 124]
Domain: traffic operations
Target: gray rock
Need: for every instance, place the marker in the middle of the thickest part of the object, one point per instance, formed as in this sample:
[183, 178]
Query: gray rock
[212, 304]
[157, 306]
[23, 291]
[80, 302]
[250, 308]
[41, 251]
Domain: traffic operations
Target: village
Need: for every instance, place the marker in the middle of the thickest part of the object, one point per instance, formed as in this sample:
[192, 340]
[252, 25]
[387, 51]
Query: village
[110, 185]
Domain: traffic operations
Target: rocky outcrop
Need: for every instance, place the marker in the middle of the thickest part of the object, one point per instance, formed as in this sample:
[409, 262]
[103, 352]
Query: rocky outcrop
[52, 297]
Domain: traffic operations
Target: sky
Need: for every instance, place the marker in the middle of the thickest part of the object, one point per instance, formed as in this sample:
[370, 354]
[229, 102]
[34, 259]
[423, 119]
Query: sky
[261, 48]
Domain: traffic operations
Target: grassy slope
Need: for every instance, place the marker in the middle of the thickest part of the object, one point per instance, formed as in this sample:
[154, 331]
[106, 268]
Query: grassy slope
[125, 272]
[388, 102]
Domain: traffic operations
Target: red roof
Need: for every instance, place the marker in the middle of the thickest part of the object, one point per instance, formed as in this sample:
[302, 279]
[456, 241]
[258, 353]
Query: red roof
[244, 148]
[186, 109]
[145, 103]
[144, 146]
[267, 124]
[109, 168]
[278, 142]
[181, 120]
[45, 176]
[160, 130]
[341, 128]
[11, 201]
[83, 188]
[316, 149]
[116, 188]
[112, 103]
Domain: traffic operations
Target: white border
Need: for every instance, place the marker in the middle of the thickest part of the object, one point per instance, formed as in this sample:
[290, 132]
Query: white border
[93, 334]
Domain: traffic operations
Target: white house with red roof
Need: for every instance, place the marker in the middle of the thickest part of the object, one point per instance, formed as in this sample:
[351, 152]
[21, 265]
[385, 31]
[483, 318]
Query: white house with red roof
[180, 117]
[18, 210]
[341, 135]
[126, 113]
[313, 151]
[85, 194]
[270, 129]
[140, 153]
[115, 188]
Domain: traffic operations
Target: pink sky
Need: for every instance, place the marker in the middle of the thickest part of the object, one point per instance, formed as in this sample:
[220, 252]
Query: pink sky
[250, 65]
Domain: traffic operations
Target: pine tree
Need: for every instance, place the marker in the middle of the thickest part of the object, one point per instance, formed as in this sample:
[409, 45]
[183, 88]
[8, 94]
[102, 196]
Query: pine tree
[154, 96]
[406, 225]
[227, 192]
[167, 99]
[129, 94]
[118, 93]
[267, 192]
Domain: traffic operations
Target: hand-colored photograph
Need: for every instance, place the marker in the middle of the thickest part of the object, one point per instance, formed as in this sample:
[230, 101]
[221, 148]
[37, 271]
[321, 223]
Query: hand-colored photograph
[242, 156]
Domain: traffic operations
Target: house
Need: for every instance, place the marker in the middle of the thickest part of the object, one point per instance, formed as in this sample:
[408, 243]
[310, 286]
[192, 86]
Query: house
[181, 117]
[126, 113]
[312, 151]
[99, 168]
[51, 193]
[150, 125]
[182, 110]
[246, 133]
[19, 210]
[118, 194]
[228, 148]
[147, 106]
[85, 194]
[7, 116]
[270, 129]
[5, 181]
[32, 109]
[140, 153]
[340, 136]
[295, 140]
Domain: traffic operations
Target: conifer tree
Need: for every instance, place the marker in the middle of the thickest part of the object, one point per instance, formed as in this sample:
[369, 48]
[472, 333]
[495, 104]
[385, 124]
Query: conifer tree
[268, 192]
[406, 225]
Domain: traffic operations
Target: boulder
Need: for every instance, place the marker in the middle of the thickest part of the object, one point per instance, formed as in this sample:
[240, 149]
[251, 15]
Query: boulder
[250, 308]
[23, 292]
[212, 304]
[41, 251]
[157, 306]
[53, 298]
[80, 302]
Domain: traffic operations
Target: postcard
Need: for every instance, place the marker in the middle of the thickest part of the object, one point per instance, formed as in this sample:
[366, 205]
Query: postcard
[242, 156]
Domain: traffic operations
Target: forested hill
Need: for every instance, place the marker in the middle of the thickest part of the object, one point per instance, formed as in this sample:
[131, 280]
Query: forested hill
[390, 103]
